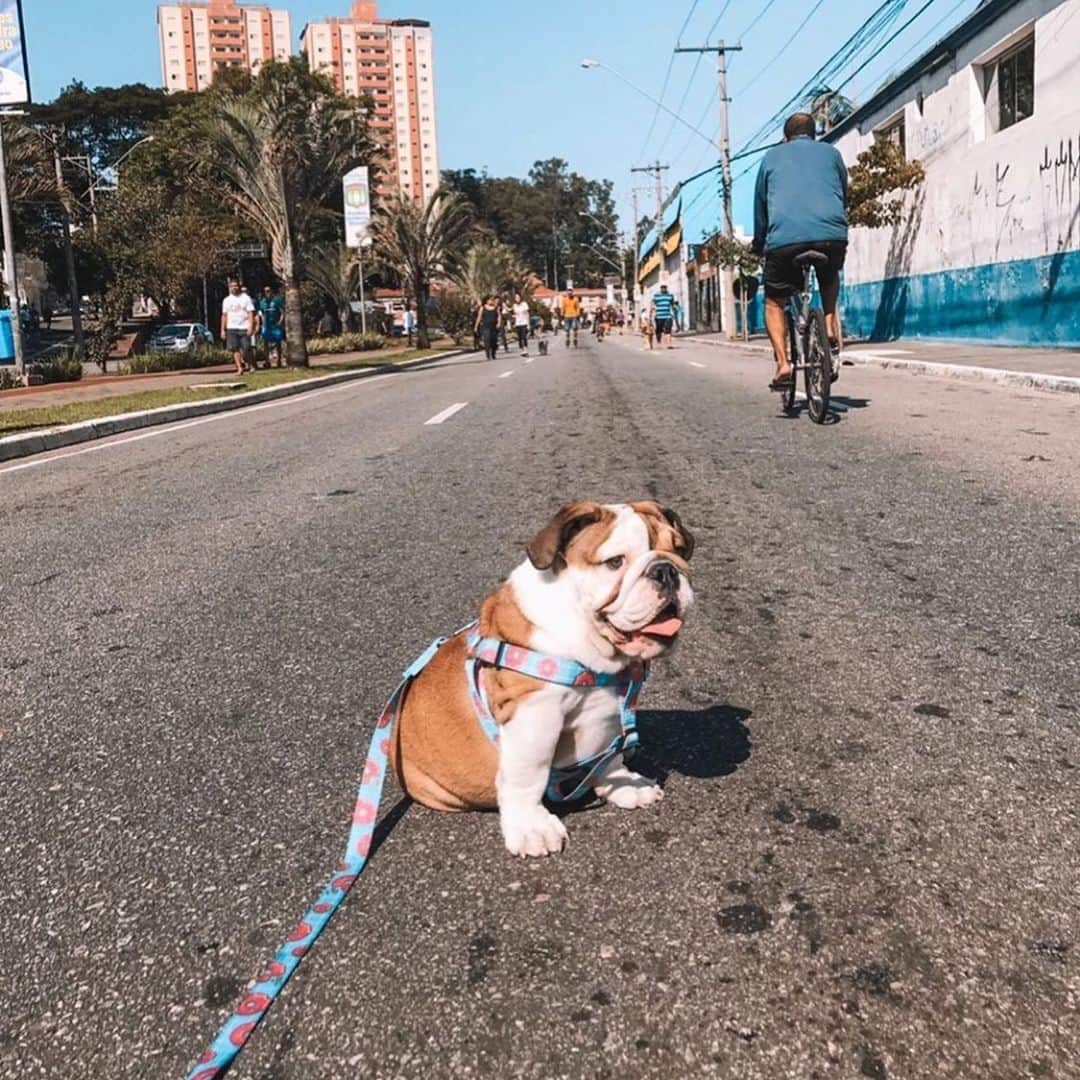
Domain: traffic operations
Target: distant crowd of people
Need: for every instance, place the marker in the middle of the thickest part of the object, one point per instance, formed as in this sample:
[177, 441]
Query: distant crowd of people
[495, 315]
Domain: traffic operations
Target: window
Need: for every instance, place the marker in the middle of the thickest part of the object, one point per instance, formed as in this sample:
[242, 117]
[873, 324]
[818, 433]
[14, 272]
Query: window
[1014, 74]
[894, 132]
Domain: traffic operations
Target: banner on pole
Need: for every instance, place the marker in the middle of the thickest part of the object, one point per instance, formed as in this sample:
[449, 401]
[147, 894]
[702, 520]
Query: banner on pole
[357, 205]
[14, 74]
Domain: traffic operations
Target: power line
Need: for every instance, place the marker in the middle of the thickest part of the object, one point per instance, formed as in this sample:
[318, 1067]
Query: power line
[783, 49]
[693, 75]
[756, 19]
[667, 79]
[745, 33]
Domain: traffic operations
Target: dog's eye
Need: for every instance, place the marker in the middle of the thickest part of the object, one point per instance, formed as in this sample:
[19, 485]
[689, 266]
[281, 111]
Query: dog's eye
[615, 563]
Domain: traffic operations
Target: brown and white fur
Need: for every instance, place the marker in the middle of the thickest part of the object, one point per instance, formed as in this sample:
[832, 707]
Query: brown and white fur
[604, 585]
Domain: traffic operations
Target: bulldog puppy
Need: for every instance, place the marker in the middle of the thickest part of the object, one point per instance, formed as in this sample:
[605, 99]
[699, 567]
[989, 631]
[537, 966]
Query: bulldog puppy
[605, 585]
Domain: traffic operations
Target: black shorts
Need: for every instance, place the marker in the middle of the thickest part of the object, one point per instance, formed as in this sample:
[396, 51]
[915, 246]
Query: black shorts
[663, 326]
[783, 277]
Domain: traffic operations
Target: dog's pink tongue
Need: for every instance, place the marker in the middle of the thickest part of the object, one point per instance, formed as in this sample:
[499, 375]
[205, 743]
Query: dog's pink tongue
[664, 628]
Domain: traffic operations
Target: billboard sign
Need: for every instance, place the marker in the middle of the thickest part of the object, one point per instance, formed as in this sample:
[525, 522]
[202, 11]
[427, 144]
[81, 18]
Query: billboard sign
[357, 198]
[14, 76]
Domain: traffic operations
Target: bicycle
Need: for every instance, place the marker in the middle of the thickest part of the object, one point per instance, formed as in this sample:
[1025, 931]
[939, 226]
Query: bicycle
[808, 344]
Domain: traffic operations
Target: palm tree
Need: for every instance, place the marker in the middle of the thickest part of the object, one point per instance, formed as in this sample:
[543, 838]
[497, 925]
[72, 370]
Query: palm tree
[827, 107]
[420, 243]
[335, 269]
[279, 151]
[492, 267]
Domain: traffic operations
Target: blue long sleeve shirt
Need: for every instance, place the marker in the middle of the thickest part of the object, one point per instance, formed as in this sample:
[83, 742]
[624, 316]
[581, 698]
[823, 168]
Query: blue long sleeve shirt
[799, 197]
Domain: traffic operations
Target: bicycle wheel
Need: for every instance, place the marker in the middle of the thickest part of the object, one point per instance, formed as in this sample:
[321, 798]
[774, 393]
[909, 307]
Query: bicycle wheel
[818, 359]
[787, 395]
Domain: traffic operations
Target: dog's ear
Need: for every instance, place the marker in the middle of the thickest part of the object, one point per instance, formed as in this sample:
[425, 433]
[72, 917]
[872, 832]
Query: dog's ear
[549, 545]
[684, 546]
[682, 539]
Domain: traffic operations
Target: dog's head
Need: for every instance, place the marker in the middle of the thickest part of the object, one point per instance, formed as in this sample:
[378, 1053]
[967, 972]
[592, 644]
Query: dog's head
[623, 571]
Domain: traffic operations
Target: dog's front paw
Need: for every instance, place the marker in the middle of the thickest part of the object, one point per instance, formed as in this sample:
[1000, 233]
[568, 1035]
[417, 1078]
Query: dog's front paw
[532, 832]
[630, 791]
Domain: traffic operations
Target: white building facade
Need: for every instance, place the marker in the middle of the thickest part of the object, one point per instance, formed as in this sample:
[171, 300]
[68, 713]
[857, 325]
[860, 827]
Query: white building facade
[989, 245]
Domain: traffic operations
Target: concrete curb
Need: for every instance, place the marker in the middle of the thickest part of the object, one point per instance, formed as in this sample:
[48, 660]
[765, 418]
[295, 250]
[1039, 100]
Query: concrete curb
[37, 442]
[1029, 380]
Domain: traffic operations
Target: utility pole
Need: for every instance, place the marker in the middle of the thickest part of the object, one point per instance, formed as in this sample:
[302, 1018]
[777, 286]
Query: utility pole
[637, 245]
[657, 170]
[69, 256]
[724, 147]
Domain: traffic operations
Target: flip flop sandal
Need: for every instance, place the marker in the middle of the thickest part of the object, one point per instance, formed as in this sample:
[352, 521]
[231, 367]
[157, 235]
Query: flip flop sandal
[782, 383]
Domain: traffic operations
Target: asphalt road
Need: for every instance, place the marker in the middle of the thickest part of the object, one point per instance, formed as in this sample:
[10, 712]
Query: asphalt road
[867, 860]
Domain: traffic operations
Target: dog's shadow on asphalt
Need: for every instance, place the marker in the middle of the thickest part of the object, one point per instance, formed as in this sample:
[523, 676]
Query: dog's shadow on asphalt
[702, 743]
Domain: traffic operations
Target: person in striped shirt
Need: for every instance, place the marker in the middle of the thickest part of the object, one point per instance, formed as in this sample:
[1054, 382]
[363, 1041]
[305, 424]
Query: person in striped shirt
[663, 311]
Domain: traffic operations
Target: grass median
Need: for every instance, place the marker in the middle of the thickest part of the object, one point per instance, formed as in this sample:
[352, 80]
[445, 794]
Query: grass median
[13, 421]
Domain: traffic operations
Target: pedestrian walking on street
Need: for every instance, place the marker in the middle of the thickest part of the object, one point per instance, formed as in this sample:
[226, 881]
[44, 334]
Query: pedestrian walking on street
[237, 324]
[570, 310]
[676, 309]
[410, 323]
[488, 323]
[504, 322]
[647, 329]
[663, 313]
[521, 323]
[271, 315]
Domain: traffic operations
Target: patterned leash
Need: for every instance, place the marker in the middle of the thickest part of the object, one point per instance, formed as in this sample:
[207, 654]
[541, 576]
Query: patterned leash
[236, 1031]
[566, 785]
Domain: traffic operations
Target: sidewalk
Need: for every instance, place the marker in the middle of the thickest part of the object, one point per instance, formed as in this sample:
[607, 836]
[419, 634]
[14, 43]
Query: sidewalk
[96, 387]
[1044, 369]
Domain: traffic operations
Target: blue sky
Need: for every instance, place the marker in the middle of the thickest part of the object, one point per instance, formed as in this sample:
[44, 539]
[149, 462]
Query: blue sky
[510, 86]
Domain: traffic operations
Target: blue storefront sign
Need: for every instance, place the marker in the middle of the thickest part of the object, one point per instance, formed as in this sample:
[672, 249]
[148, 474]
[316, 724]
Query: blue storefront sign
[14, 73]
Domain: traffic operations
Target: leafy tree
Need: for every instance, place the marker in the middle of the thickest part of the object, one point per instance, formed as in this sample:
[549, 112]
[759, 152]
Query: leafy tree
[456, 314]
[553, 217]
[420, 243]
[106, 122]
[876, 183]
[278, 152]
[739, 255]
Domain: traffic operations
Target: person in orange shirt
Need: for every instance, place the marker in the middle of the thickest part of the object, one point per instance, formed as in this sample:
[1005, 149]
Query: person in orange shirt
[571, 314]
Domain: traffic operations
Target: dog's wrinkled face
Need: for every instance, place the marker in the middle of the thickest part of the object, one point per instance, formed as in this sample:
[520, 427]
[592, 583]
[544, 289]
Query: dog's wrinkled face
[627, 569]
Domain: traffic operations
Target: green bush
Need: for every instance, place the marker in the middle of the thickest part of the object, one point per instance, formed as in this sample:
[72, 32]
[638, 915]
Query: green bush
[201, 356]
[66, 367]
[344, 343]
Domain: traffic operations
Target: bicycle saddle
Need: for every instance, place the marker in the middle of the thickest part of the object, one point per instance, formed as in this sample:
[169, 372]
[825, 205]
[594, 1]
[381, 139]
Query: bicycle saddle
[817, 258]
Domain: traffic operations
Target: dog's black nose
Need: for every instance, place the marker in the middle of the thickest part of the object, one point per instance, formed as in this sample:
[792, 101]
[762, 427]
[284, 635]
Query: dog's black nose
[665, 575]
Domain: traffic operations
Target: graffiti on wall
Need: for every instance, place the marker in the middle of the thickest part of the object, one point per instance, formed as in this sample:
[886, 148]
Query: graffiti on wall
[998, 195]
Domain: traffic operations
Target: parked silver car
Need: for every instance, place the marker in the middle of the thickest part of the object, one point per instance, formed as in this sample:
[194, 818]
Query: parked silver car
[179, 337]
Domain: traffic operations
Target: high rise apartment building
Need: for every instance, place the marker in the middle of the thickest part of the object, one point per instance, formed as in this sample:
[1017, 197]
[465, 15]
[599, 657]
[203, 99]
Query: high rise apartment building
[200, 39]
[392, 61]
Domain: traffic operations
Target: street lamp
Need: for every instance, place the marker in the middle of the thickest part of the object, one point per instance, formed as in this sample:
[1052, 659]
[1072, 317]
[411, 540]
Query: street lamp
[89, 167]
[659, 104]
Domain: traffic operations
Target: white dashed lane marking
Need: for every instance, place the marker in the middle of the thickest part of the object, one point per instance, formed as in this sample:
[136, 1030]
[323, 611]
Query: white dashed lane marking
[506, 375]
[439, 417]
[694, 363]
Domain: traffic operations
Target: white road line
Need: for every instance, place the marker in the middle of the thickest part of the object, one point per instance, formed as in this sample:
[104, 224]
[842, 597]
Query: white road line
[438, 418]
[506, 375]
[168, 429]
[694, 363]
[529, 361]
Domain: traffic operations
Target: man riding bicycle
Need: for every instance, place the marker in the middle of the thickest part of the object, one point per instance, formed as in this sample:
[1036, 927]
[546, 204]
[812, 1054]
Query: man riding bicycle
[571, 314]
[799, 207]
